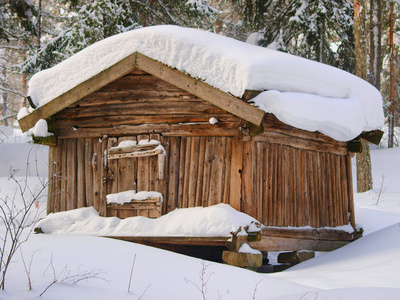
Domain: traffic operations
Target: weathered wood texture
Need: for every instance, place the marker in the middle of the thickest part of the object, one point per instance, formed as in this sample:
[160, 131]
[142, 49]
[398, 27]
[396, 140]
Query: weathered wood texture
[140, 103]
[279, 185]
[150, 208]
[283, 177]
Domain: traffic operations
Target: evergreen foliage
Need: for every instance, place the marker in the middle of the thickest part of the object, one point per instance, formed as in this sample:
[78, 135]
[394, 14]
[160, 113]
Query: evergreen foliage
[100, 19]
[305, 28]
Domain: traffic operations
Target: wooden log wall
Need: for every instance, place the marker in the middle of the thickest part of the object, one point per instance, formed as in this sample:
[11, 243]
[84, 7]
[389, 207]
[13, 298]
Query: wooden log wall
[283, 177]
[136, 102]
[277, 184]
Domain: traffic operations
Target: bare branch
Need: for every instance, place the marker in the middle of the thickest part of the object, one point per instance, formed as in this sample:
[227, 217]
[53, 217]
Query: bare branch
[64, 276]
[13, 91]
[17, 220]
[130, 277]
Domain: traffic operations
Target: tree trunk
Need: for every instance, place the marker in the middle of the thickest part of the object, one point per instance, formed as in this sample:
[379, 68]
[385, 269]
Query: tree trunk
[392, 79]
[364, 170]
[375, 57]
[364, 173]
[3, 79]
[321, 49]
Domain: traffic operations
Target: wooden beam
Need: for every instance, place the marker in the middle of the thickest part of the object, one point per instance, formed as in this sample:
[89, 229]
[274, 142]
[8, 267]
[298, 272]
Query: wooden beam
[202, 129]
[202, 90]
[373, 137]
[50, 140]
[136, 154]
[78, 92]
[309, 234]
[291, 244]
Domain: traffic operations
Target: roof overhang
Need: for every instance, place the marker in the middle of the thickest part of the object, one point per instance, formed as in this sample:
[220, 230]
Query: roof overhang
[192, 85]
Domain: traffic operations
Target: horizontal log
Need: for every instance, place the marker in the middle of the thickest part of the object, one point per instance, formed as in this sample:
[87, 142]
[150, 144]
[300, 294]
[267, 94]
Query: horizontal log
[128, 149]
[271, 123]
[110, 121]
[283, 139]
[312, 233]
[293, 244]
[201, 129]
[140, 108]
[135, 154]
[152, 200]
[142, 206]
[100, 98]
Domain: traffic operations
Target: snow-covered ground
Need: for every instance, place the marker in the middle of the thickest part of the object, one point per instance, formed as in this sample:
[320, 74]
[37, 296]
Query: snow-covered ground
[369, 268]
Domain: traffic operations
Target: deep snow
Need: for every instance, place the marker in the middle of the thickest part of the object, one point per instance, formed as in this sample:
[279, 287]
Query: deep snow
[366, 269]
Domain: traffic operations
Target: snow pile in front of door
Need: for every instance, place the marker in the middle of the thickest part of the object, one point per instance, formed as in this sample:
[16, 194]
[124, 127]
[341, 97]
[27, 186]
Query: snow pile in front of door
[230, 66]
[214, 221]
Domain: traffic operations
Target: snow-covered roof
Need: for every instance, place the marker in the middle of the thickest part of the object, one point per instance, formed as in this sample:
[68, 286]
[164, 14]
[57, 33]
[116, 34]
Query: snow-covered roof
[300, 92]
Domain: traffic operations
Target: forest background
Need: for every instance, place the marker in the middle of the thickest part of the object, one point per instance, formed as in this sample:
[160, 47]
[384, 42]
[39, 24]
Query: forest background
[354, 35]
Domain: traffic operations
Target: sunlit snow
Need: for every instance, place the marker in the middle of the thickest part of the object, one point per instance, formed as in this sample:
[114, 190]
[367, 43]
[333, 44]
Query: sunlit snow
[234, 67]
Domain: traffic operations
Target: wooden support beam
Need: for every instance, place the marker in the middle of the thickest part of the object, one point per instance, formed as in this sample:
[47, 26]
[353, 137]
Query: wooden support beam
[310, 234]
[373, 137]
[292, 244]
[50, 140]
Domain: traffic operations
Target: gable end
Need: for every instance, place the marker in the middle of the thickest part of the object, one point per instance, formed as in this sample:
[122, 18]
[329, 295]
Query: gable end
[198, 88]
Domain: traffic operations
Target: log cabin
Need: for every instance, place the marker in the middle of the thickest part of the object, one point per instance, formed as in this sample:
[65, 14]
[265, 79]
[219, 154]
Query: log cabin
[218, 146]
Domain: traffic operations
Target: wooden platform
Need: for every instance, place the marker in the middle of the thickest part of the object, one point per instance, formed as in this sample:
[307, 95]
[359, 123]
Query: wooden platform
[273, 239]
[317, 239]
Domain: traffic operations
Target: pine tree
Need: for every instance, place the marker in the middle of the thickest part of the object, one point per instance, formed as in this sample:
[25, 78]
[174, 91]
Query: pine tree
[304, 28]
[100, 19]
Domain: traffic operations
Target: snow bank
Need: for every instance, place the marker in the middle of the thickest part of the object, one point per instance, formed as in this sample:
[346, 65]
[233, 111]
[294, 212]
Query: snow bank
[217, 220]
[231, 66]
[365, 262]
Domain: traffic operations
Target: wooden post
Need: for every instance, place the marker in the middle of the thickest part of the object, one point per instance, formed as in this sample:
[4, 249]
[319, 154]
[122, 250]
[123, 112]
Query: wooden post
[52, 178]
[103, 176]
